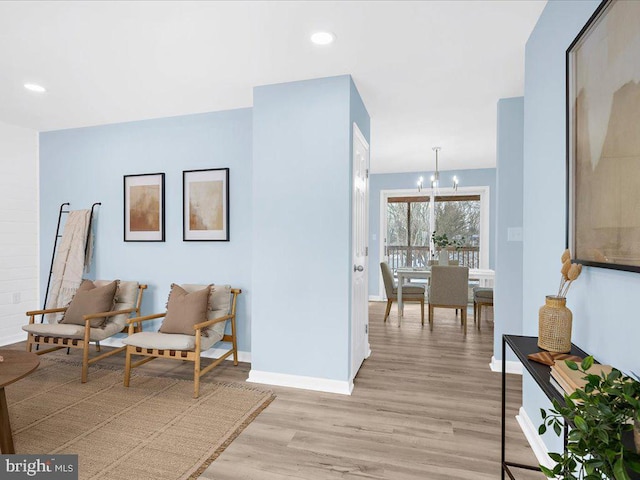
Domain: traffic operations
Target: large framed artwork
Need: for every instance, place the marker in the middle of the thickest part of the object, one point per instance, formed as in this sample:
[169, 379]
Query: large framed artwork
[205, 204]
[603, 138]
[144, 207]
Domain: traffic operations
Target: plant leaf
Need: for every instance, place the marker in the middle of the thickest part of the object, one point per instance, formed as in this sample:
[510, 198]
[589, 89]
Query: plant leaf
[557, 429]
[633, 464]
[602, 435]
[619, 471]
[587, 363]
[556, 457]
[580, 423]
[571, 364]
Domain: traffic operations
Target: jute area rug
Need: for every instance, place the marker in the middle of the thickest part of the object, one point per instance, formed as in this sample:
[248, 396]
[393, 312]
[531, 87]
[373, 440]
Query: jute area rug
[153, 430]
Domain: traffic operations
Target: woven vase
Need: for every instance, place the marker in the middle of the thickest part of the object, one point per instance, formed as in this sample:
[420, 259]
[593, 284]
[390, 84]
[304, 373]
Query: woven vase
[554, 325]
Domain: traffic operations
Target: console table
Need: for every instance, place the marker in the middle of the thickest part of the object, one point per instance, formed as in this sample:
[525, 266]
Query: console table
[523, 346]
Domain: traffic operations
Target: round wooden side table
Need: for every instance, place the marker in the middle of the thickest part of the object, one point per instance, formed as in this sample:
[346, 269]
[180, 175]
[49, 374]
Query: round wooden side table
[16, 364]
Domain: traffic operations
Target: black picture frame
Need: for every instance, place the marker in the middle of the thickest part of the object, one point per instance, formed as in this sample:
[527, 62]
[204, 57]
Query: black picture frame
[205, 205]
[144, 207]
[603, 124]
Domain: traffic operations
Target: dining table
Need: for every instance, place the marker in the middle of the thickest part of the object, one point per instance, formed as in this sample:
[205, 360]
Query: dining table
[485, 277]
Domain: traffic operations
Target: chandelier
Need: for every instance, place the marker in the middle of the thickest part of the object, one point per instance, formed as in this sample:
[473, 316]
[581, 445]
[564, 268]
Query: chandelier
[435, 178]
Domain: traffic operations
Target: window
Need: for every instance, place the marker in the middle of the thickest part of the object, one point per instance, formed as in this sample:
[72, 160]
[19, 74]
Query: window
[411, 219]
[459, 218]
[408, 237]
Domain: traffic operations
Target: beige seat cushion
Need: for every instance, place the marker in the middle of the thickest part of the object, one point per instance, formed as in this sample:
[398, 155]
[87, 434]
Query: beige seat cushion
[165, 341]
[409, 292]
[67, 330]
[483, 293]
[89, 299]
[408, 289]
[185, 309]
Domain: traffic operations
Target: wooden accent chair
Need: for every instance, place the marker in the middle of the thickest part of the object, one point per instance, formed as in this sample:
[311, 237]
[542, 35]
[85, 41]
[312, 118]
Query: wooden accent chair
[410, 293]
[449, 288]
[128, 299]
[221, 310]
[482, 297]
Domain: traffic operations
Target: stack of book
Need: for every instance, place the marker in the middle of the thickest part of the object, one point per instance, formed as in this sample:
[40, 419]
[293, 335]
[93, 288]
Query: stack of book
[567, 381]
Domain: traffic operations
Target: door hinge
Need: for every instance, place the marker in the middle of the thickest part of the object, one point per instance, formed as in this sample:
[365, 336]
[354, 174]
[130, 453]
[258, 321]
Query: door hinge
[366, 251]
[366, 328]
[367, 173]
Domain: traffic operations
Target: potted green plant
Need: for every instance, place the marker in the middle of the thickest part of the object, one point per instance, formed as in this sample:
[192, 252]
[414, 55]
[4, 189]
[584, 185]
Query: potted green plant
[600, 414]
[443, 242]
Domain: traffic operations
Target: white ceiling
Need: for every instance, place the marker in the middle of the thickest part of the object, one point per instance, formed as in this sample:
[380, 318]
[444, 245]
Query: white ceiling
[430, 73]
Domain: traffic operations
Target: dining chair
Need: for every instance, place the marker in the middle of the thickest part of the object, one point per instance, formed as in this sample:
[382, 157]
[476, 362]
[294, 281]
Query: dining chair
[449, 288]
[410, 293]
[451, 262]
[482, 297]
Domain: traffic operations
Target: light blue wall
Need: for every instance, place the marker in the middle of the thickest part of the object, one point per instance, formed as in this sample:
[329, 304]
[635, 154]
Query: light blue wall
[290, 213]
[509, 163]
[603, 301]
[404, 181]
[302, 227]
[86, 165]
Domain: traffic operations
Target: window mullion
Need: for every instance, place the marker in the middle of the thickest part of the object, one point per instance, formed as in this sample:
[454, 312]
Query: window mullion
[409, 256]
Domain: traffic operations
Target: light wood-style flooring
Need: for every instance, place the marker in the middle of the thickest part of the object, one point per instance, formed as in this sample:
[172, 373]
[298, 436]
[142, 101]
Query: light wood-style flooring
[425, 406]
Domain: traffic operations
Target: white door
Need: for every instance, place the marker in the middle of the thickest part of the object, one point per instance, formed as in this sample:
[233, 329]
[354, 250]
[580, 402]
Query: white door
[360, 231]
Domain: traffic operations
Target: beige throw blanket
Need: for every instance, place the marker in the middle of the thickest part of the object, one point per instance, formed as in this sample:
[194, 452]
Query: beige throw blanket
[69, 262]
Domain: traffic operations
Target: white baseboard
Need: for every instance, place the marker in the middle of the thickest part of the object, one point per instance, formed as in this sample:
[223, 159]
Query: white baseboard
[10, 339]
[211, 353]
[535, 441]
[376, 298]
[511, 366]
[299, 381]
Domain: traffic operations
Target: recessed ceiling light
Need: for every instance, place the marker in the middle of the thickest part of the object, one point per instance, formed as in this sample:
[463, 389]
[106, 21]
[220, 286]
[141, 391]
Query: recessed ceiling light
[323, 38]
[34, 87]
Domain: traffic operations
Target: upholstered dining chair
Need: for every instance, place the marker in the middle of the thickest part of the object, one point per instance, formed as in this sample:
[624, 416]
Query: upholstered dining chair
[482, 297]
[410, 293]
[195, 321]
[449, 288]
[451, 262]
[99, 309]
